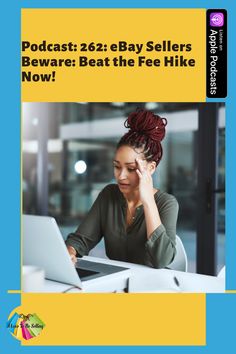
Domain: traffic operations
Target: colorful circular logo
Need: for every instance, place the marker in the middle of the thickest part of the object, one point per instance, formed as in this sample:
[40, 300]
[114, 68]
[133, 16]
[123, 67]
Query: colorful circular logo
[25, 326]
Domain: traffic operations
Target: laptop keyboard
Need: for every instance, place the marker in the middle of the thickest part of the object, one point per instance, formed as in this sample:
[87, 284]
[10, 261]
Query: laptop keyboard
[85, 272]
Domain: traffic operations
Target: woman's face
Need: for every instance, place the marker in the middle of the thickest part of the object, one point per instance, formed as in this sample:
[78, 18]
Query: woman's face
[125, 167]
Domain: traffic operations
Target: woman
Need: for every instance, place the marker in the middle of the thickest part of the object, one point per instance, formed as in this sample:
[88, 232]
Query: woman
[137, 221]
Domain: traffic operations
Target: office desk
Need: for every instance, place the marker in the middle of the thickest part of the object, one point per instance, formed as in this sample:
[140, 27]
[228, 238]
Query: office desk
[110, 283]
[164, 280]
[139, 278]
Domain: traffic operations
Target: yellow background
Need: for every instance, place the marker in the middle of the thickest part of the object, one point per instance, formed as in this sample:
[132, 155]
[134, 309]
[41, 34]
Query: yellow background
[110, 26]
[118, 319]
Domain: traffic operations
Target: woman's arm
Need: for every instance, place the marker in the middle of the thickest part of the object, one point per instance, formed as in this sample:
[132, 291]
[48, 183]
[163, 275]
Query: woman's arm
[151, 213]
[160, 246]
[160, 224]
[152, 216]
[88, 234]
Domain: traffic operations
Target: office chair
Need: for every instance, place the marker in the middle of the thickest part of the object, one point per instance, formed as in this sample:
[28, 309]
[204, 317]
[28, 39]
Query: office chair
[221, 273]
[180, 261]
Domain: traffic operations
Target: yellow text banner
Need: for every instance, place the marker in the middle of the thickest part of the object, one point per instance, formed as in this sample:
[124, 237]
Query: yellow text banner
[118, 319]
[96, 55]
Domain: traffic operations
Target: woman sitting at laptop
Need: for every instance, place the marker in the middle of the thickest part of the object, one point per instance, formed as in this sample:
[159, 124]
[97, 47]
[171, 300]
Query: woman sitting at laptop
[137, 221]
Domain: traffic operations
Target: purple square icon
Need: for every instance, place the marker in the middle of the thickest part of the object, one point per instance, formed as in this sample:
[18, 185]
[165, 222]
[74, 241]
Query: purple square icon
[217, 19]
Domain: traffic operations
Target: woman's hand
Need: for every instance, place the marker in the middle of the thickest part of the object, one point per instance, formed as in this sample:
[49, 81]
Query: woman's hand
[151, 212]
[72, 253]
[145, 182]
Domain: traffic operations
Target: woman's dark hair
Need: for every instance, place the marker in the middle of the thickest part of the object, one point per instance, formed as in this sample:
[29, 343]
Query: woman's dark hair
[146, 131]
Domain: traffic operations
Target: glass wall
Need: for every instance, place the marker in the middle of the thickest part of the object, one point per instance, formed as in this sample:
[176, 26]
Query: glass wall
[221, 201]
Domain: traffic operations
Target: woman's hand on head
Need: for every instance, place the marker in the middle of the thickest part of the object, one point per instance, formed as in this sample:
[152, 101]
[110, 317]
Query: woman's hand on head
[72, 253]
[145, 182]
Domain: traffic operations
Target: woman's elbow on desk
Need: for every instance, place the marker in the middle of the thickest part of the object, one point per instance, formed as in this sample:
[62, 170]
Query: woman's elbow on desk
[159, 257]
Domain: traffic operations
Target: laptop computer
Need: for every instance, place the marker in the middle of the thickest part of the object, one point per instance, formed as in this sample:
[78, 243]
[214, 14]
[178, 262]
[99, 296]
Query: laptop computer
[43, 246]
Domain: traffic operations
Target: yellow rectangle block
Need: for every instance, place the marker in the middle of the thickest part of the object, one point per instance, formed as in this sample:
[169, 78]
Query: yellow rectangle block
[167, 36]
[118, 319]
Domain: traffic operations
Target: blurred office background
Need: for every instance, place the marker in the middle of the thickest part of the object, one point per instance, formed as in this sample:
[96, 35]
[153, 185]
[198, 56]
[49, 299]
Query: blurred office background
[67, 153]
